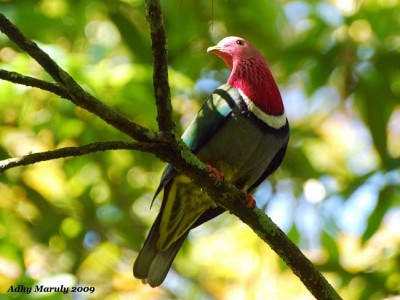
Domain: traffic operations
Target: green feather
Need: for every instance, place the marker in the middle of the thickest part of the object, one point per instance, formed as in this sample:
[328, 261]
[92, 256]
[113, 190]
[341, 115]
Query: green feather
[210, 117]
[185, 203]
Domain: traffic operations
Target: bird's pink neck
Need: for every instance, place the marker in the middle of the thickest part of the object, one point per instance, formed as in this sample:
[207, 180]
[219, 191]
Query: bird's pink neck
[253, 77]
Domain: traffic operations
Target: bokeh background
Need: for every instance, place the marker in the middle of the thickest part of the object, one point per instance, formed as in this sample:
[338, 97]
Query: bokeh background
[80, 221]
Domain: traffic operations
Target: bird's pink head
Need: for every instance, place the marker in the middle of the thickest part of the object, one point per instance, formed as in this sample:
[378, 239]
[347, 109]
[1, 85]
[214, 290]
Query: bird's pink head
[250, 73]
[234, 49]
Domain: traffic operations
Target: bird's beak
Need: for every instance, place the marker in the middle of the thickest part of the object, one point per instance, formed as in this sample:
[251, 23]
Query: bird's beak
[214, 48]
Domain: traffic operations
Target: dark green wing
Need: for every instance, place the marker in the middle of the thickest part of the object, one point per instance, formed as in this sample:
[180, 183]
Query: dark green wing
[211, 116]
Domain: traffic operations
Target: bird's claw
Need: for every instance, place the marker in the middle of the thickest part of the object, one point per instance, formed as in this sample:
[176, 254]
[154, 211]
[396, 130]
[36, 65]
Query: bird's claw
[251, 201]
[214, 172]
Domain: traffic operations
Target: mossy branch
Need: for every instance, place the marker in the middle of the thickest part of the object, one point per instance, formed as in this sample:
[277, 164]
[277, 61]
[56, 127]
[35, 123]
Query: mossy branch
[65, 152]
[161, 87]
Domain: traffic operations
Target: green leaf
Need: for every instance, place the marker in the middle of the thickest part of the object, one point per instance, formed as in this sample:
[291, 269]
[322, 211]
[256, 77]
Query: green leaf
[138, 44]
[330, 245]
[386, 197]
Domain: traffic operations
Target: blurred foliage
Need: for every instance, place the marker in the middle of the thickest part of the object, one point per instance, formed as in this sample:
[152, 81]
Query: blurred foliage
[80, 221]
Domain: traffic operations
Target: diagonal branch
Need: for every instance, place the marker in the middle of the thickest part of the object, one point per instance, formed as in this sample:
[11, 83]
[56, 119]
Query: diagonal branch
[77, 95]
[162, 92]
[78, 151]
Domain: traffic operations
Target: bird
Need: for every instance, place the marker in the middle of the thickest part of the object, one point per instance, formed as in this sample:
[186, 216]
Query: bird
[241, 132]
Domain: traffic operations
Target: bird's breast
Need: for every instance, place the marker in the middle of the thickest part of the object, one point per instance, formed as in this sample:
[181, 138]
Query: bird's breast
[242, 150]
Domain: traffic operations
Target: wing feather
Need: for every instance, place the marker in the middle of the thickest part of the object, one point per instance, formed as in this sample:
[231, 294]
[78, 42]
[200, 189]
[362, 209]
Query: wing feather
[211, 116]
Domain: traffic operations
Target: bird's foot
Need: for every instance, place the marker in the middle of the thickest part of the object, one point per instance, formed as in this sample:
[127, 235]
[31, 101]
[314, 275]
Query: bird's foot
[251, 201]
[215, 173]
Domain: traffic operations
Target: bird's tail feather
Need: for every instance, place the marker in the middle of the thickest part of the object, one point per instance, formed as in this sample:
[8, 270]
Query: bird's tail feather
[152, 265]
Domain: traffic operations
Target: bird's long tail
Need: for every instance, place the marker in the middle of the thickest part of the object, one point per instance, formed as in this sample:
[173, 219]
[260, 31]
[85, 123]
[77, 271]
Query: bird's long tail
[152, 265]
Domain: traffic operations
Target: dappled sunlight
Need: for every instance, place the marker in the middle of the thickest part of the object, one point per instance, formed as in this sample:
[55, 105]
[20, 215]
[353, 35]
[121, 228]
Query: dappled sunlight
[247, 268]
[22, 142]
[378, 255]
[360, 31]
[53, 8]
[394, 133]
[347, 7]
[10, 272]
[99, 266]
[102, 33]
[48, 180]
[314, 191]
[347, 139]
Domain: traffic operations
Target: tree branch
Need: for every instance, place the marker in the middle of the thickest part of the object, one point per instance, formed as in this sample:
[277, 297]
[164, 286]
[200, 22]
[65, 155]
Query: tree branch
[162, 92]
[34, 82]
[77, 95]
[78, 151]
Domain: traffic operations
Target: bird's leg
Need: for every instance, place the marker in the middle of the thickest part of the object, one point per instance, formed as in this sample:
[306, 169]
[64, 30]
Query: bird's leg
[217, 174]
[251, 201]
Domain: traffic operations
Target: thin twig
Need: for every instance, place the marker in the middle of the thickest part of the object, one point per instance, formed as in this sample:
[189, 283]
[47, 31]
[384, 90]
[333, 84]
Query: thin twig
[34, 82]
[162, 92]
[77, 151]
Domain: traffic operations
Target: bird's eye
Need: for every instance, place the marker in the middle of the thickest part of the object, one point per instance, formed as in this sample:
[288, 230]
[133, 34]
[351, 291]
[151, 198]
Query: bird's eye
[240, 42]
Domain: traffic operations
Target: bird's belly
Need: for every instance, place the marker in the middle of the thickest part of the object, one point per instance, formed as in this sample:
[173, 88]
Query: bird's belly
[241, 150]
